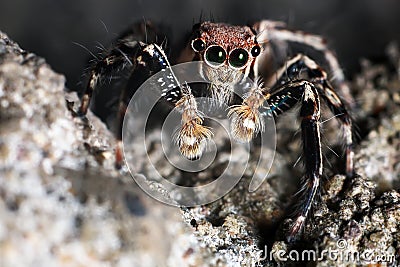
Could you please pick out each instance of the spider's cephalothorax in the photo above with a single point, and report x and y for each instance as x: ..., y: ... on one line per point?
x: 231, y: 54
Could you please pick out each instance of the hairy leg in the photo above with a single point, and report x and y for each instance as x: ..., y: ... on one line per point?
x: 270, y: 30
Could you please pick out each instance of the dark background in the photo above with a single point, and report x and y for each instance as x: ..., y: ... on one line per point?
x: 354, y: 29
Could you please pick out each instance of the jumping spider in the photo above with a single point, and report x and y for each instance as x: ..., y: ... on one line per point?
x: 231, y: 54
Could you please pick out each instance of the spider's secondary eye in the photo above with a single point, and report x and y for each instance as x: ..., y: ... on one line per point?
x: 256, y: 50
x: 198, y: 45
x: 238, y: 58
x: 215, y: 55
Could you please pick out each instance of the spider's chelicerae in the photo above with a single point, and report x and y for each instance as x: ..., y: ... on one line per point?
x: 231, y: 54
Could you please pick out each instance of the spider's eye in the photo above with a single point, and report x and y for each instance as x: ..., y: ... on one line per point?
x: 215, y: 55
x: 238, y: 58
x: 198, y: 45
x: 255, y: 51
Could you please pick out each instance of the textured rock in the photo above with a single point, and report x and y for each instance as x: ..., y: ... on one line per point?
x: 61, y: 201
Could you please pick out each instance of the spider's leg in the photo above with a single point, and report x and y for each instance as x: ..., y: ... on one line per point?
x: 318, y: 76
x: 150, y: 59
x: 310, y: 126
x: 192, y: 134
x: 279, y: 33
x: 283, y: 99
x: 337, y: 107
x: 124, y: 54
x: 120, y: 121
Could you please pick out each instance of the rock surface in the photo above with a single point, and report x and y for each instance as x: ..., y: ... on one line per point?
x: 61, y: 201
x: 63, y: 204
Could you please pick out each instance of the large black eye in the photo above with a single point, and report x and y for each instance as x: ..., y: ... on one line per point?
x: 238, y: 58
x: 198, y: 45
x: 215, y: 55
x: 255, y: 51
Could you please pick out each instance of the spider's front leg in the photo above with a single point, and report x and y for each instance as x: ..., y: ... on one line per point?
x: 145, y: 60
x: 283, y: 99
x: 192, y: 135
x: 288, y: 91
x: 286, y: 97
x: 302, y: 64
x: 310, y: 128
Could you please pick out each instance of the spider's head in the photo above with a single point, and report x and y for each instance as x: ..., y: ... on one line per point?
x: 228, y: 51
